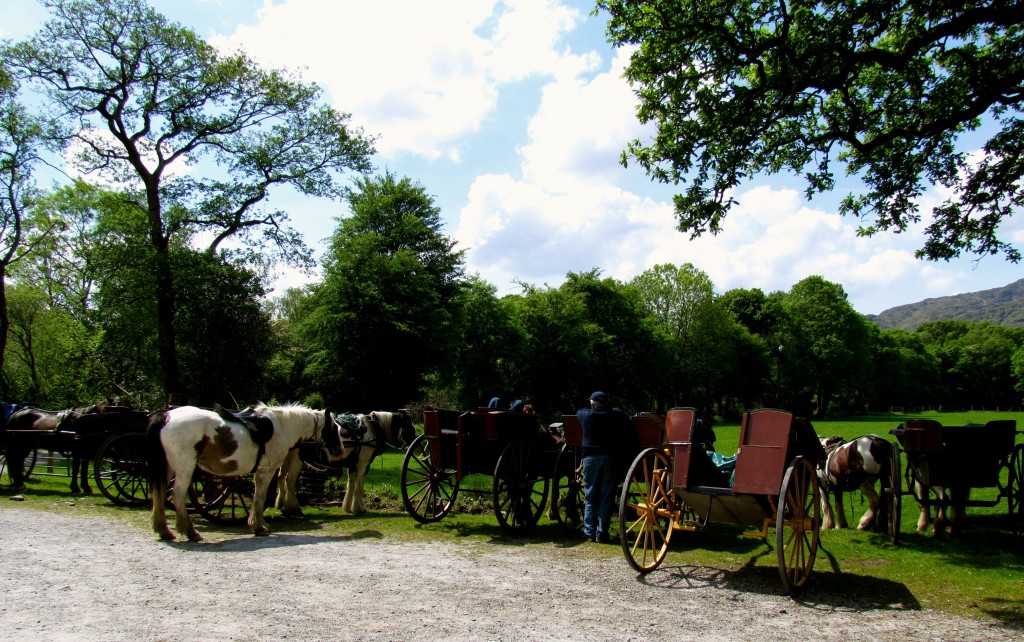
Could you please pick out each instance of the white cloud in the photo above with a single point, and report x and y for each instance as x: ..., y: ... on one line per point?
x: 422, y: 75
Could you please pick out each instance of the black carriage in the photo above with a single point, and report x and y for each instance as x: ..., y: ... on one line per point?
x: 113, y: 438
x: 514, y: 448
x: 678, y: 487
x: 945, y: 462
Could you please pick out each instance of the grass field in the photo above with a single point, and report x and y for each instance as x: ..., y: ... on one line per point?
x: 979, y: 573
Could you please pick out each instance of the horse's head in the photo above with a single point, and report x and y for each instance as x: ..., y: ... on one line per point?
x: 330, y: 438
x: 830, y: 443
x: 404, y: 430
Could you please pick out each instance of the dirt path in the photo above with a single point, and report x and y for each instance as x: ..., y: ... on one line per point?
x: 73, y: 577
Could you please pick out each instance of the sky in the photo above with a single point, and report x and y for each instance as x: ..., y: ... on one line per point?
x: 512, y: 115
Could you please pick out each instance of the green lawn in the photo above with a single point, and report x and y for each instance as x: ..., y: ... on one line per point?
x: 979, y: 573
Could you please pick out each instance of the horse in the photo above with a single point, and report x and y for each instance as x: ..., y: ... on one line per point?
x: 259, y: 440
x: 850, y: 465
x: 375, y: 432
x: 58, y: 430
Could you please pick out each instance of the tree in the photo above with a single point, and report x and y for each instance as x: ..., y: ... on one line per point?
x: 142, y: 97
x: 23, y: 139
x: 826, y: 351
x: 383, y: 317
x: 884, y: 89
x: 682, y: 302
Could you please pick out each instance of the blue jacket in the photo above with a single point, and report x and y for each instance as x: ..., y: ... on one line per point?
x: 604, y: 430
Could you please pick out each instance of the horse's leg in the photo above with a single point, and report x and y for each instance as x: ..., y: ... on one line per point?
x: 840, y: 511
x: 957, y: 509
x: 871, y: 514
x: 926, y: 513
x: 16, y: 455
x: 288, y: 479
x: 828, y: 518
x: 84, y: 457
x: 182, y: 520
x: 941, y: 520
x: 257, y: 525
x: 159, y: 510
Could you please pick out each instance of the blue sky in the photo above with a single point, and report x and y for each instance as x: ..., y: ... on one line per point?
x: 512, y: 115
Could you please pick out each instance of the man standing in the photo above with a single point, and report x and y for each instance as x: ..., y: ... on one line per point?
x: 604, y: 429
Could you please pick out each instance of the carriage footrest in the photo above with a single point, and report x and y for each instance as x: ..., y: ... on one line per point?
x: 710, y: 490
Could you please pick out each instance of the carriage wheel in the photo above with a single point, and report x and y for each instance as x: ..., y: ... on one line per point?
x: 797, y: 523
x: 519, y: 491
x: 1015, y: 490
x: 567, y: 492
x: 222, y: 500
x: 893, y: 496
x: 647, y: 510
x: 121, y: 471
x: 428, y: 491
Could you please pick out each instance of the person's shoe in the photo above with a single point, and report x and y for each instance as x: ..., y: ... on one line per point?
x: 603, y: 538
x: 590, y: 538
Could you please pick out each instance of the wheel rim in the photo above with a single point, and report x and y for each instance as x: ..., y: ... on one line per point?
x: 518, y: 491
x: 120, y: 469
x: 568, y: 489
x: 797, y: 524
x: 428, y: 492
x: 222, y: 500
x: 1015, y: 491
x: 646, y: 511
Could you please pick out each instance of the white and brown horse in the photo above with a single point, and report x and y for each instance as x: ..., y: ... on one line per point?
x: 852, y: 465
x: 260, y: 440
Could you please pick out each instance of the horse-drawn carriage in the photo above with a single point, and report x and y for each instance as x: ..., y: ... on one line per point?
x: 108, y: 434
x: 676, y: 486
x: 945, y: 462
x: 514, y: 448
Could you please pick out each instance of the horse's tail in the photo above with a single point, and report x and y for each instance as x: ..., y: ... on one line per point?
x: 156, y: 461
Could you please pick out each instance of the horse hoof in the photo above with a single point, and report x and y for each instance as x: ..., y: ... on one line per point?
x: 195, y: 537
x: 261, y: 532
x: 167, y: 536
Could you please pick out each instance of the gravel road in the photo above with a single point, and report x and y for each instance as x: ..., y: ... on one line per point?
x: 70, y: 576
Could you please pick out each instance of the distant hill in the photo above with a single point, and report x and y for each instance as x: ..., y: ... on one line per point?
x: 1000, y: 306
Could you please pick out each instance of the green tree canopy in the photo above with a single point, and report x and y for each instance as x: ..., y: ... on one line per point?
x: 383, y: 317
x: 143, y: 97
x: 884, y: 91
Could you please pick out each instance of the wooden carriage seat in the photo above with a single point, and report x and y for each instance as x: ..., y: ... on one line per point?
x: 648, y: 431
x: 761, y: 457
x: 572, y: 430
x: 692, y: 468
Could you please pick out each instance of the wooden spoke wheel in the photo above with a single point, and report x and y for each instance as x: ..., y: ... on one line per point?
x: 647, y: 510
x: 893, y: 496
x: 567, y: 490
x: 1015, y: 490
x: 798, y: 523
x: 121, y: 471
x: 428, y: 490
x: 519, y: 490
x: 222, y: 500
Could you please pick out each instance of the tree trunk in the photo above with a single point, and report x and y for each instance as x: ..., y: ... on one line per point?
x: 166, y: 341
x: 5, y: 325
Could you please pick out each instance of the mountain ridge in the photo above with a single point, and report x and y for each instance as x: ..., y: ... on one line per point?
x: 1000, y: 306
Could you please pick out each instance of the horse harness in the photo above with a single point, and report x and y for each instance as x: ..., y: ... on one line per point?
x: 379, y: 441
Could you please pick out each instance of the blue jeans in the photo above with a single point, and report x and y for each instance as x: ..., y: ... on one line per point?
x: 599, y: 490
